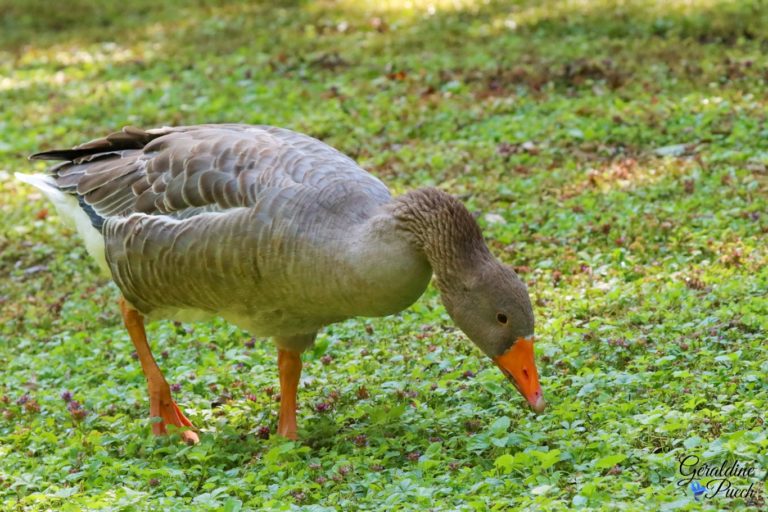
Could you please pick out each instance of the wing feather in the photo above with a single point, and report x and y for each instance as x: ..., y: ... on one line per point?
x: 186, y: 171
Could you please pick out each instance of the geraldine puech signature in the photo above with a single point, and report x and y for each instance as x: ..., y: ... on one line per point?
x: 725, y: 480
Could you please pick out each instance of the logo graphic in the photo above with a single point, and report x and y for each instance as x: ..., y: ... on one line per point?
x: 697, y: 489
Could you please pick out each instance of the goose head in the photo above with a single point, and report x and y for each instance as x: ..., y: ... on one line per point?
x: 485, y: 298
x: 491, y: 305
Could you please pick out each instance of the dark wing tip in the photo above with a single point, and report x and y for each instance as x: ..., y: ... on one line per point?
x: 55, y: 154
x: 129, y: 138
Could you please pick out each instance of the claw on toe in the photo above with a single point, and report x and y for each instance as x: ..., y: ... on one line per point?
x: 190, y: 437
x: 170, y: 414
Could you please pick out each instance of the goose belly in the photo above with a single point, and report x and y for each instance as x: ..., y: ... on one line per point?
x: 264, y: 321
x: 286, y: 277
x: 387, y: 290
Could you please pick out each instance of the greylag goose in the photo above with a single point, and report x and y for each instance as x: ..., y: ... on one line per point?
x: 281, y: 235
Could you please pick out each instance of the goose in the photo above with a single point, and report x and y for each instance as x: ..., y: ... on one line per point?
x: 281, y: 235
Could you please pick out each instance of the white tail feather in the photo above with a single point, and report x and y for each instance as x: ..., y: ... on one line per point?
x: 70, y: 211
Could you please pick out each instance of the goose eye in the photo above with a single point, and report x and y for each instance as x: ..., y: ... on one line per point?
x: 502, y: 318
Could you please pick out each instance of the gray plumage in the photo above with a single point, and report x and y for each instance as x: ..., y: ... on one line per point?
x: 266, y: 227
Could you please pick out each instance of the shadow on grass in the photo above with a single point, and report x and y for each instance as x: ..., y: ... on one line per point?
x: 499, y: 49
x: 226, y: 25
x: 36, y: 23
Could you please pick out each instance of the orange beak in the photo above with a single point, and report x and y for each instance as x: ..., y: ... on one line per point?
x: 518, y: 365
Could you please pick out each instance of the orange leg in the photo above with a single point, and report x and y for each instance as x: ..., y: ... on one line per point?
x: 161, y: 405
x: 289, y: 366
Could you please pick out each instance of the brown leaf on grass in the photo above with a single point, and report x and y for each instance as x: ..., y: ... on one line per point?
x: 732, y: 258
x: 398, y: 76
x: 694, y: 283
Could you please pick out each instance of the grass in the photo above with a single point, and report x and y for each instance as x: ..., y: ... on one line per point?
x: 615, y: 152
